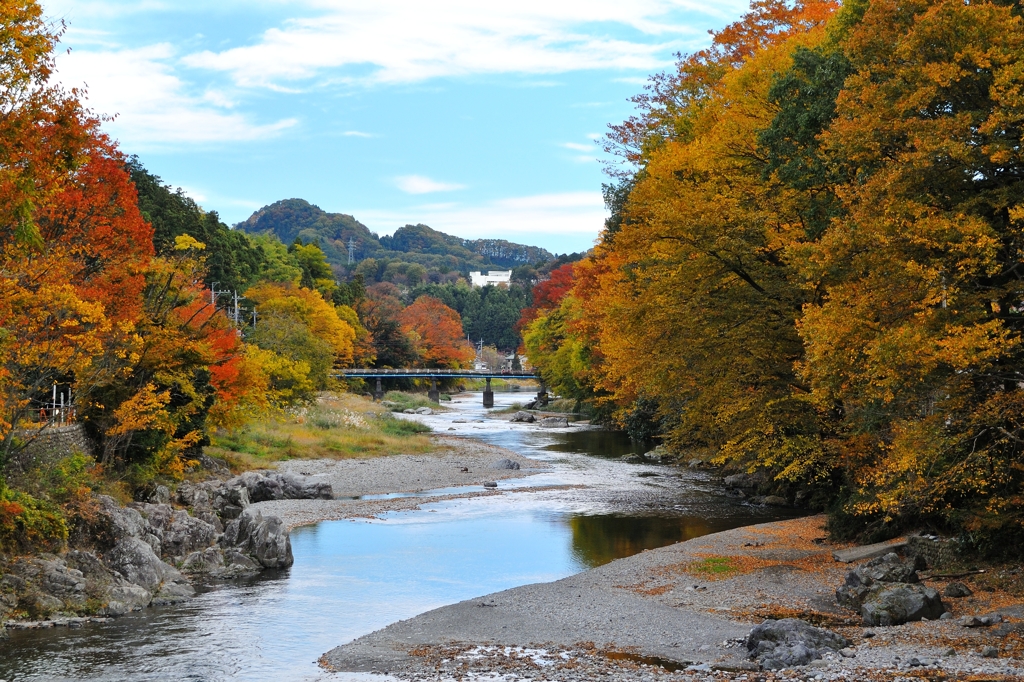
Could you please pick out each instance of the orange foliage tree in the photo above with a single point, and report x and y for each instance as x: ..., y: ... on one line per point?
x: 436, y: 333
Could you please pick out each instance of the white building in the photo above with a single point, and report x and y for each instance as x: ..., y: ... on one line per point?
x: 479, y: 279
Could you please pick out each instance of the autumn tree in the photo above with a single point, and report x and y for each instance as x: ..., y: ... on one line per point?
x: 436, y: 334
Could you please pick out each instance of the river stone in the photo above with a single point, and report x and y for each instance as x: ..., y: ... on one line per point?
x: 554, y: 422
x: 138, y: 563
x: 424, y: 410
x: 956, y: 590
x: 275, y: 485
x: 742, y: 480
x: 884, y: 569
x: 523, y: 417
x: 790, y: 642
x: 775, y: 501
x: 506, y: 464
x: 895, y: 604
x: 265, y: 539
x: 230, y: 500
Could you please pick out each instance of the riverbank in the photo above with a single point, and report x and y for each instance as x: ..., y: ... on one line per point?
x: 683, y: 612
x: 455, y: 467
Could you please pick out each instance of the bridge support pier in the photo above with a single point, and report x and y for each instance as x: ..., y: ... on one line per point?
x: 378, y: 394
x: 434, y: 394
x: 488, y: 394
x: 542, y: 395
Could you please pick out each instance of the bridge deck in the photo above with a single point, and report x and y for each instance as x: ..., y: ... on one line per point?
x: 429, y: 374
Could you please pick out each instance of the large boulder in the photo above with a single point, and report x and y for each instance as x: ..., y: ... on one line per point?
x: 790, y: 642
x: 554, y: 422
x: 275, y: 485
x: 523, y: 417
x: 137, y: 563
x: 888, y: 568
x: 216, y: 562
x: 898, y: 603
x: 264, y: 538
x: 744, y: 480
x: 229, y: 501
x: 120, y: 522
x: 506, y: 464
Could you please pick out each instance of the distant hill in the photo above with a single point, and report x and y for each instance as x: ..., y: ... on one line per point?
x: 296, y: 218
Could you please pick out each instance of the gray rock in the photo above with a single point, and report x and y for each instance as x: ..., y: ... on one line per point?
x: 989, y: 652
x: 161, y: 496
x: 775, y: 501
x: 265, y: 539
x: 523, y: 417
x: 895, y: 604
x: 136, y: 561
x: 409, y: 411
x: 695, y: 463
x: 424, y: 410
x: 274, y: 485
x: 554, y: 422
x: 491, y: 484
x: 179, y: 532
x: 506, y: 464
x: 123, y: 522
x: 884, y: 569
x: 956, y: 590
x: 743, y: 480
x: 129, y: 597
x: 790, y: 642
x: 230, y: 500
x: 979, y: 621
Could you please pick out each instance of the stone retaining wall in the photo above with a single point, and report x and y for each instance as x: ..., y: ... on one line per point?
x: 52, y: 445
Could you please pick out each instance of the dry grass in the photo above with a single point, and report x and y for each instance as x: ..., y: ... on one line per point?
x: 336, y: 426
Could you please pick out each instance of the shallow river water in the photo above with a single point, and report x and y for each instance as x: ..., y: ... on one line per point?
x: 353, y: 577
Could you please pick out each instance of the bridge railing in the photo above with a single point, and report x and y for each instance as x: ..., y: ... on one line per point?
x: 368, y: 372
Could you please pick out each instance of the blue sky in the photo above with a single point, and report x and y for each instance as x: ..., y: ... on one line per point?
x: 476, y: 118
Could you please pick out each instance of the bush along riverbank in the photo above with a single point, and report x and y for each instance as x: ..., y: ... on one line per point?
x: 151, y: 553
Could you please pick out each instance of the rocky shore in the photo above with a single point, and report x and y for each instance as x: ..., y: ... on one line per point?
x: 152, y: 553
x: 147, y: 554
x: 755, y: 603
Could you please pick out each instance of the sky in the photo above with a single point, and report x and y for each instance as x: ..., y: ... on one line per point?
x: 480, y: 118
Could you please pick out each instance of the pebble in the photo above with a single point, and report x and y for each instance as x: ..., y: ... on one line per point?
x: 989, y: 652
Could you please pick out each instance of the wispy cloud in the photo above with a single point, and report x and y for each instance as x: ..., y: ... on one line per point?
x: 419, y: 184
x: 407, y: 41
x: 153, y: 105
x: 357, y: 133
x: 564, y: 221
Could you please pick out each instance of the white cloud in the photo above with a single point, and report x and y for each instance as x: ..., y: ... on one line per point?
x: 577, y: 147
x: 407, y: 41
x: 153, y: 106
x: 357, y: 133
x: 419, y: 184
x: 561, y: 221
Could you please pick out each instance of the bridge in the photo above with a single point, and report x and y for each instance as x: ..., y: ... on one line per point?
x: 435, y: 374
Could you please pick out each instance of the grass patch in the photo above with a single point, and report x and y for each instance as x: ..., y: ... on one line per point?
x: 399, y: 400
x: 715, y: 567
x: 334, y: 427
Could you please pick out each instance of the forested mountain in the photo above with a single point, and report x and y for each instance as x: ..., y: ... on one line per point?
x: 442, y: 253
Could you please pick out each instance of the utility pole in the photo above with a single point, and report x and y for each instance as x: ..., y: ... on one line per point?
x: 214, y: 294
x: 235, y: 313
x: 254, y: 317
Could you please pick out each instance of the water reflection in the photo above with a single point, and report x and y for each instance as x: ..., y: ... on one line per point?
x: 352, y: 577
x: 596, y: 540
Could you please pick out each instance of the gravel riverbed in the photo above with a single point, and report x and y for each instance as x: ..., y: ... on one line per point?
x: 657, y: 615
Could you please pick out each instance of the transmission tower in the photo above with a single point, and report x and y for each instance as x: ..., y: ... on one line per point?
x: 351, y: 250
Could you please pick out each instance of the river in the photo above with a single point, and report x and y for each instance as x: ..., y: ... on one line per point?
x: 355, y: 576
